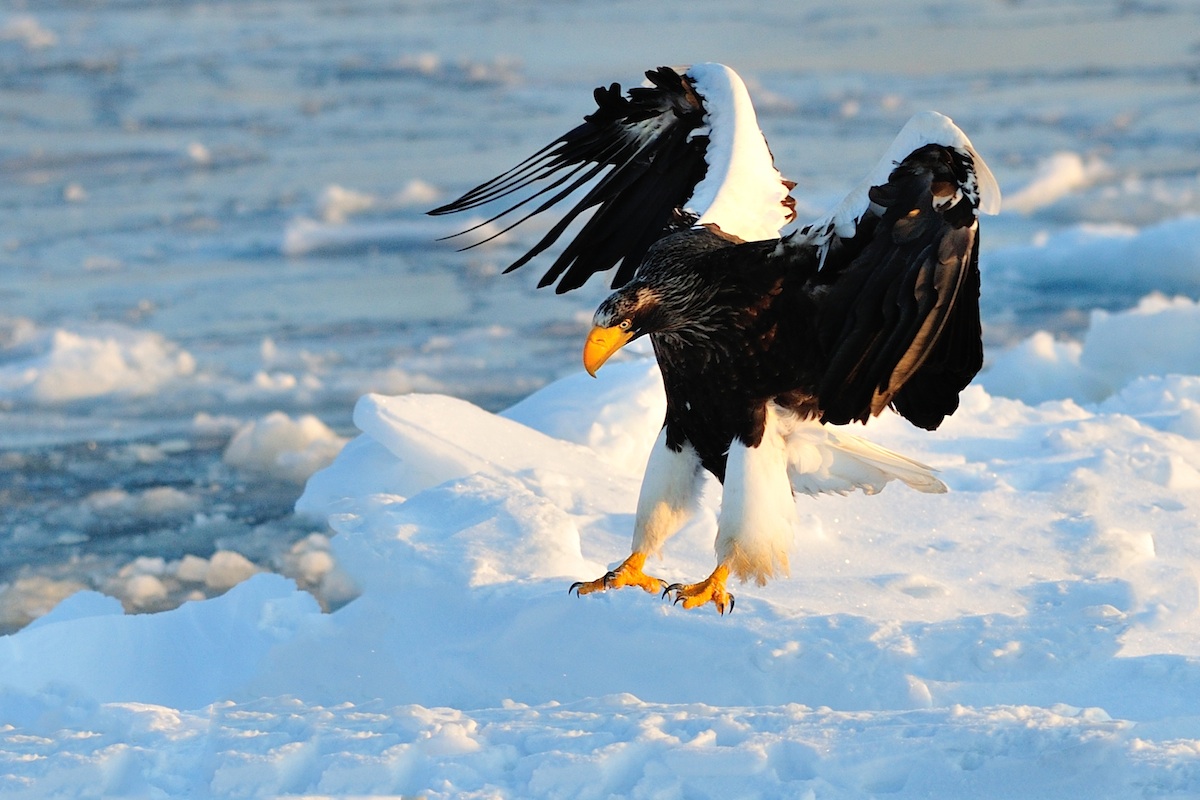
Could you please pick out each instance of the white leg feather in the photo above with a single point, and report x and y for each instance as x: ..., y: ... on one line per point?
x: 758, y: 514
x: 670, y: 489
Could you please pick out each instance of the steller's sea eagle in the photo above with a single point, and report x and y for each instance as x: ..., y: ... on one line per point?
x: 763, y: 339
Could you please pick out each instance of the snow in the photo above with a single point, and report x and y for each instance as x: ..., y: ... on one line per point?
x: 176, y: 273
x: 1156, y: 337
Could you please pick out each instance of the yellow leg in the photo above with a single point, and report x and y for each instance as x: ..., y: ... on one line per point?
x: 709, y: 590
x: 629, y: 573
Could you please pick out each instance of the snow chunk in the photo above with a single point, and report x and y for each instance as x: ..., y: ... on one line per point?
x: 199, y: 155
x: 74, y: 193
x: 338, y: 203
x: 227, y: 569
x: 289, y: 449
x: 144, y: 591
x: 1038, y: 369
x: 617, y: 414
x: 192, y: 569
x: 1056, y: 176
x: 416, y: 193
x: 90, y: 361
x: 1157, y: 337
x: 413, y: 442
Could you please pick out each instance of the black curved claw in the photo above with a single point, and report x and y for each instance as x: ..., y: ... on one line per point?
x: 607, y: 579
x: 731, y: 603
x: 674, y: 587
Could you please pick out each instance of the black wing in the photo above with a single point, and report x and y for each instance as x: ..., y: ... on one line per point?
x: 899, y: 322
x: 643, y: 145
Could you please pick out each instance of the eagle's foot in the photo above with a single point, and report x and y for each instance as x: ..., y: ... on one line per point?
x: 709, y: 590
x: 629, y: 573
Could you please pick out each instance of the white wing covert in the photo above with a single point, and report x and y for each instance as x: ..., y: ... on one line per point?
x: 924, y: 128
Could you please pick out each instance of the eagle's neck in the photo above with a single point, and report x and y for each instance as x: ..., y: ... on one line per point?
x: 696, y: 301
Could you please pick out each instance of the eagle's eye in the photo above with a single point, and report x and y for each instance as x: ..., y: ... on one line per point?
x: 625, y: 324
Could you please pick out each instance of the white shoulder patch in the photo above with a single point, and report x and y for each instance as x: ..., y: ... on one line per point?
x: 927, y: 127
x: 742, y: 193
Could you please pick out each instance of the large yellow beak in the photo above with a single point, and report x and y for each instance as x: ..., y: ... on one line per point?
x: 602, y: 343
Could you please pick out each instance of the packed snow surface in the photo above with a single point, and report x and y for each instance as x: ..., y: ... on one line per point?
x: 1033, y: 633
x: 218, y: 285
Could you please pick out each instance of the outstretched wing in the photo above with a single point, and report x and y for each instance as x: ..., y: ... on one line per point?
x: 684, y: 150
x: 899, y: 317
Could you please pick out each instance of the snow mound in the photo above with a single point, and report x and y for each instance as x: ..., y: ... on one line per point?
x: 1157, y: 337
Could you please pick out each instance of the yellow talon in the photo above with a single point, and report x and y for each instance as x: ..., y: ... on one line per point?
x: 709, y: 590
x: 629, y: 573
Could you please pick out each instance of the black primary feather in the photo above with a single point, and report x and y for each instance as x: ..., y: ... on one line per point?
x: 640, y: 151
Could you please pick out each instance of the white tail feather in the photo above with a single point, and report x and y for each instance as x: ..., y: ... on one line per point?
x: 758, y: 512
x: 821, y: 459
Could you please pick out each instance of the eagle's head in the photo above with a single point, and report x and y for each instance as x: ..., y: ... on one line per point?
x: 673, y: 292
x: 632, y: 311
x: 679, y: 307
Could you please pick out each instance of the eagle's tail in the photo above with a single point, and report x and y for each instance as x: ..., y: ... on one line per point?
x: 823, y: 459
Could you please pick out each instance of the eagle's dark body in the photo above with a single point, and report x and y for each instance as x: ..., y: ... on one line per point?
x: 746, y: 324
x: 746, y: 341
